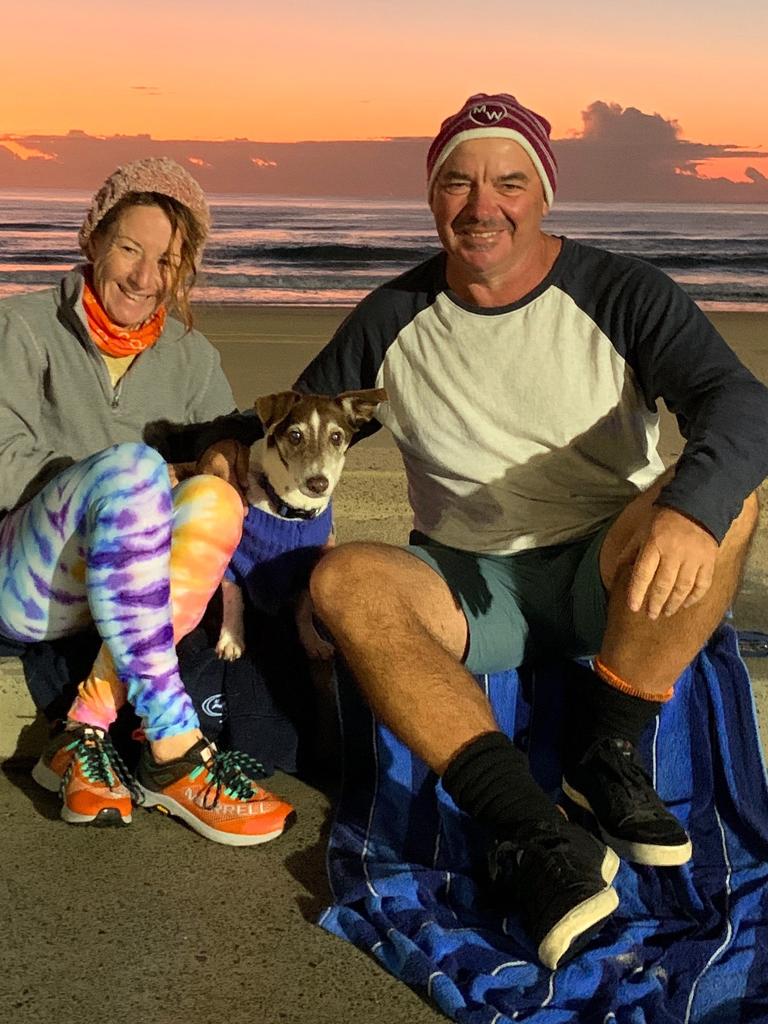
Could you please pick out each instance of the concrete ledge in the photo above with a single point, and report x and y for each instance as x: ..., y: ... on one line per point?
x: 22, y: 731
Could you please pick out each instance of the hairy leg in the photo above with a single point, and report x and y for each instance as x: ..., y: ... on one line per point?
x: 400, y: 630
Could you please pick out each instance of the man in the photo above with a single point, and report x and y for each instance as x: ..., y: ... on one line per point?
x: 522, y: 373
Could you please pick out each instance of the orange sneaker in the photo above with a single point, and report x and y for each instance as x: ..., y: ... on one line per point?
x: 215, y: 793
x: 52, y: 765
x: 82, y: 765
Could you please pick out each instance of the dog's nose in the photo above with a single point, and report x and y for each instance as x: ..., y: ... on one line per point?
x: 318, y: 484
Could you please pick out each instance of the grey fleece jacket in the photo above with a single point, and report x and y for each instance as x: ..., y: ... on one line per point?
x: 57, y: 404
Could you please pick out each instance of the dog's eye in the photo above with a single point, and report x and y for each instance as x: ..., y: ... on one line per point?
x: 337, y: 438
x: 294, y: 436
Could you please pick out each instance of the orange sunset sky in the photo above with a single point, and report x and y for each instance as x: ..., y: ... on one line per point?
x: 216, y: 70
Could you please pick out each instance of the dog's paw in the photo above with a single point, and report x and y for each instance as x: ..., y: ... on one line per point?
x: 229, y: 651
x: 229, y: 648
x: 318, y: 648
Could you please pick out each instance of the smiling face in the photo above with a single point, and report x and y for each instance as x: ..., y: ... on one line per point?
x: 488, y: 203
x: 132, y: 264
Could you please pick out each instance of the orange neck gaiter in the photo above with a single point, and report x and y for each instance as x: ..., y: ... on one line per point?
x: 118, y: 341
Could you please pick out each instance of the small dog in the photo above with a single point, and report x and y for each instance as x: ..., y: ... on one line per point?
x: 292, y: 472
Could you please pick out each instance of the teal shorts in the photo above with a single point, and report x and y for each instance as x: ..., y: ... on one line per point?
x: 540, y: 603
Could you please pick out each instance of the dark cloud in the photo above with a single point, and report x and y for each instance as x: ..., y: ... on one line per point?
x: 624, y: 153
x: 620, y: 154
x: 393, y: 167
x: 608, y: 120
x: 147, y: 90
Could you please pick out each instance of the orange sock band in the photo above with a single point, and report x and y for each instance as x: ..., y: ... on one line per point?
x: 621, y: 684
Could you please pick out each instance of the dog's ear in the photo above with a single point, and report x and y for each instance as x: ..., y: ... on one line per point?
x: 273, y: 408
x: 359, y: 406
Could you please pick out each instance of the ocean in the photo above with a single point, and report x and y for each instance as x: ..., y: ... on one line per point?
x: 274, y: 251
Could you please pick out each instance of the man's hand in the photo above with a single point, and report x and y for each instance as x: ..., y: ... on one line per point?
x: 673, y: 561
x: 228, y: 460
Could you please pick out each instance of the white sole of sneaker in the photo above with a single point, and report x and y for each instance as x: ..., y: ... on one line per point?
x: 610, y: 866
x: 579, y: 922
x: 649, y: 854
x: 170, y: 806
x: 108, y: 816
x: 46, y: 777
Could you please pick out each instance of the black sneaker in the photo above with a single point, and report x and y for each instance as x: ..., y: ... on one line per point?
x: 610, y: 783
x: 559, y: 877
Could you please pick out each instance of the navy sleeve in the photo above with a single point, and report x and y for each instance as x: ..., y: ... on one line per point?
x: 187, y: 442
x: 353, y: 357
x: 349, y: 362
x: 721, y: 408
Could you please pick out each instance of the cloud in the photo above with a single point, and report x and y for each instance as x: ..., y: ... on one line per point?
x: 624, y: 153
x: 147, y: 90
x: 627, y: 127
x: 24, y: 152
x: 621, y: 154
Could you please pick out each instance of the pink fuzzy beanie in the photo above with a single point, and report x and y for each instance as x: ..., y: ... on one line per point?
x: 155, y: 174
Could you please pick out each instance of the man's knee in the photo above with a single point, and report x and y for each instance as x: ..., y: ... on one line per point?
x: 345, y: 575
x: 750, y: 512
x: 362, y: 588
x: 743, y: 527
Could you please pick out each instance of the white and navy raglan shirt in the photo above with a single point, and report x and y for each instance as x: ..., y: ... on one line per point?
x: 533, y: 424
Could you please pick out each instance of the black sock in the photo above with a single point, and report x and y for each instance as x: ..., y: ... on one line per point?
x: 491, y: 781
x: 597, y: 710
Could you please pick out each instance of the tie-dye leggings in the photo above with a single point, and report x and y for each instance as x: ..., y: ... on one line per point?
x: 108, y: 543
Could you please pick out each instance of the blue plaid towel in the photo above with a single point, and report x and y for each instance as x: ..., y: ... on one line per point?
x: 687, y: 944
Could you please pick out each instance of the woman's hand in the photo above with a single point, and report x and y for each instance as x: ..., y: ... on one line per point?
x: 228, y: 460
x: 178, y: 471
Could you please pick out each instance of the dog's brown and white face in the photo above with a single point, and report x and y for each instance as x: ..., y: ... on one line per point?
x: 306, y: 441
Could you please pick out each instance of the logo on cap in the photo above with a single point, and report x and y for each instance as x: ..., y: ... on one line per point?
x: 488, y: 113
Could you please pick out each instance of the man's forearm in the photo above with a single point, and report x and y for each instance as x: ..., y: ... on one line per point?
x: 187, y: 442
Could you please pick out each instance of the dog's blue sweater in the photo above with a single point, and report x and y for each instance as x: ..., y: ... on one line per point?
x: 275, y: 556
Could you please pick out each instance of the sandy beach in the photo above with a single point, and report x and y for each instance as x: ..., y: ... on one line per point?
x: 280, y: 341
x: 251, y: 914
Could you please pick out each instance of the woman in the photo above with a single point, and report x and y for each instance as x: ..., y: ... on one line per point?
x: 92, y: 531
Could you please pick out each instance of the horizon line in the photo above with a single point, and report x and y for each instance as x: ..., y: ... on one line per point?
x: 79, y: 133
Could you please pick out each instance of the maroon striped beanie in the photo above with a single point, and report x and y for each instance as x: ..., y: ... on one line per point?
x: 499, y: 116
